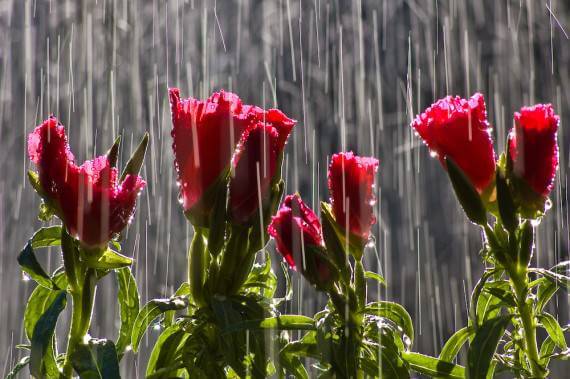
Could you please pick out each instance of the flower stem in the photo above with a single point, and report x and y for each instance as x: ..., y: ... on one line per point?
x: 196, y: 269
x: 529, y: 326
x: 83, y: 297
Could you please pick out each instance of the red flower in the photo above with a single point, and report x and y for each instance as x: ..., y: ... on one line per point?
x: 351, y: 180
x: 458, y: 128
x: 533, y: 147
x: 297, y: 230
x: 205, y: 135
x: 89, y: 200
x: 257, y: 154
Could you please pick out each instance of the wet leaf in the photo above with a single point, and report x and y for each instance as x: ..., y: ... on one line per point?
x: 134, y: 164
x: 433, y: 367
x: 150, y: 312
x: 43, y: 333
x: 455, y: 343
x: 128, y: 297
x: 30, y: 265
x: 109, y: 260
x: 482, y: 349
x: 96, y: 360
x: 394, y: 312
x: 466, y: 194
x: 554, y: 329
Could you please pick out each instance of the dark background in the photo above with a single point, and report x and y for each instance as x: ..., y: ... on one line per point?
x: 353, y: 73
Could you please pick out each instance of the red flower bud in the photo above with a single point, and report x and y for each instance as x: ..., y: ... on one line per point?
x: 88, y: 199
x: 533, y: 147
x: 204, y: 134
x: 351, y: 180
x: 458, y: 128
x: 298, y: 235
x: 257, y: 155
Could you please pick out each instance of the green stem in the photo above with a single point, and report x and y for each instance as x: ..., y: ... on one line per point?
x: 83, y: 297
x: 196, y: 266
x: 74, y: 334
x: 232, y: 259
x: 529, y: 326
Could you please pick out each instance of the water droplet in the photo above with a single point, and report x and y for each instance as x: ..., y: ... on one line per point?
x: 433, y: 154
x: 547, y: 205
x: 25, y: 277
x: 535, y: 222
x: 156, y: 327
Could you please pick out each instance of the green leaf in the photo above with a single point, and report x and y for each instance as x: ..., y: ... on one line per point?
x: 502, y: 292
x: 391, y: 365
x: 34, y: 179
x: 40, y: 299
x: 183, y: 290
x: 128, y: 297
x: 526, y: 243
x: 113, y: 153
x: 554, y: 329
x: 30, y: 265
x: 562, y: 280
x: 394, y: 312
x: 261, y: 279
x: 454, y: 344
x: 96, y: 360
x: 109, y: 260
x: 545, y: 292
x: 466, y: 194
x: 283, y: 322
x: 134, y: 164
x: 165, y: 350
x: 435, y: 368
x: 305, y: 347
x: 507, y: 208
x: 43, y: 333
x: 18, y: 367
x: 482, y: 349
x: 290, y: 355
x: 474, y: 305
x: 336, y: 240
x: 294, y: 366
x: 150, y: 312
x: 374, y: 276
x: 546, y: 351
x: 562, y: 268
x: 45, y: 237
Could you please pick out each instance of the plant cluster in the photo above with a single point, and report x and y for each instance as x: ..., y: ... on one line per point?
x: 225, y: 320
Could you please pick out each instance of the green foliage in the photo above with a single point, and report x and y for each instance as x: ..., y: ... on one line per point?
x: 128, y: 298
x: 466, y: 194
x: 41, y: 352
x: 150, y: 312
x: 96, y: 360
x: 483, y: 347
x: 435, y: 368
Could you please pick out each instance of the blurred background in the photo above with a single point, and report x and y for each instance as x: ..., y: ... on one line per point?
x: 352, y: 72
